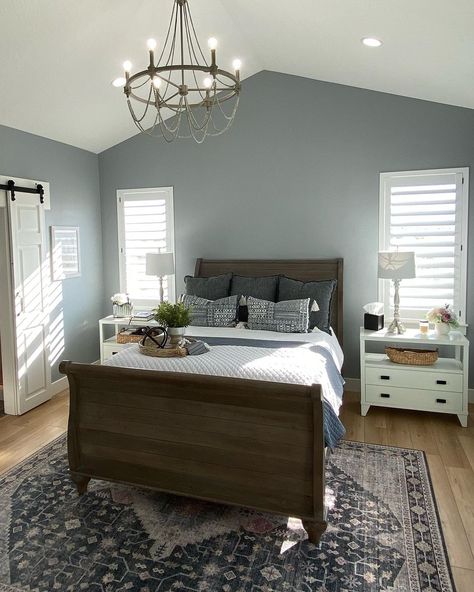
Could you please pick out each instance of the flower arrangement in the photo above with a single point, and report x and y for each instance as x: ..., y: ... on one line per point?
x: 121, y: 305
x: 443, y: 314
x: 120, y: 299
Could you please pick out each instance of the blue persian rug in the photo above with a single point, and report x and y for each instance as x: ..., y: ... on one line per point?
x: 383, y: 533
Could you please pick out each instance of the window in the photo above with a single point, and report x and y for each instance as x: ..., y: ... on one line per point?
x: 426, y: 212
x: 145, y: 225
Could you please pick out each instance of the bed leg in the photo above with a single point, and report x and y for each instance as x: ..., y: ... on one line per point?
x: 81, y: 482
x: 315, y: 530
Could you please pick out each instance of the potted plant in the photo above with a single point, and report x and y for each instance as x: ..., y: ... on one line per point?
x: 444, y: 319
x: 175, y: 317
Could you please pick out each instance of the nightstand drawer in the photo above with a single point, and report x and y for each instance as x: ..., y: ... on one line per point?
x: 414, y: 378
x: 110, y: 349
x: 408, y: 398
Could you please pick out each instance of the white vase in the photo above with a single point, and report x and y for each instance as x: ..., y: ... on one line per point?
x: 176, y: 335
x: 442, y: 329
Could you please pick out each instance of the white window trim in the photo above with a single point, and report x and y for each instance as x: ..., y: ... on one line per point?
x: 137, y: 193
x: 463, y: 187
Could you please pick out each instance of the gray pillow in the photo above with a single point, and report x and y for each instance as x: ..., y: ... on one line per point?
x: 211, y: 313
x: 211, y: 288
x: 264, y: 288
x: 322, y: 292
x: 291, y: 316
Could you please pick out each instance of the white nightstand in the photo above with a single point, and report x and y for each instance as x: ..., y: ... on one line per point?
x: 442, y: 388
x: 109, y: 346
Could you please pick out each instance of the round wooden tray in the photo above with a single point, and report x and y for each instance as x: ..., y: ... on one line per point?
x: 162, y: 352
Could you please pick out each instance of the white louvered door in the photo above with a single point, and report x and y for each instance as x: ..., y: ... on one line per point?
x: 426, y: 212
x: 146, y: 225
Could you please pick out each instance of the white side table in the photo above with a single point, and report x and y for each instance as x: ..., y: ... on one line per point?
x: 442, y: 388
x: 109, y: 346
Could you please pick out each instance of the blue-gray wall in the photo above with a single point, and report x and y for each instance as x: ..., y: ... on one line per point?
x: 73, y: 175
x: 297, y: 176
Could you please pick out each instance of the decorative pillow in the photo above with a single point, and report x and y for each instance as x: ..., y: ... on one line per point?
x: 290, y: 316
x: 264, y: 288
x: 212, y: 313
x: 321, y: 292
x: 210, y: 288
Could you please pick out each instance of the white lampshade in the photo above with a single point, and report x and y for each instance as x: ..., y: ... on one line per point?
x: 159, y: 264
x: 397, y: 265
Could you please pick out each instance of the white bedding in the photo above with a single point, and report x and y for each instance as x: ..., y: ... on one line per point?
x: 316, y: 336
x: 305, y: 364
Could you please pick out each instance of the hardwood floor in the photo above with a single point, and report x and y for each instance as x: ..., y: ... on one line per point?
x: 449, y: 449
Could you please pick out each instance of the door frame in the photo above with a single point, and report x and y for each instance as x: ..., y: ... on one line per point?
x: 7, y: 310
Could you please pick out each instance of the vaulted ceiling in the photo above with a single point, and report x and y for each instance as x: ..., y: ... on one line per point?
x: 58, y: 57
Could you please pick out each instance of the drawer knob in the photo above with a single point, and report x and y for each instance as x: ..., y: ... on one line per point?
x: 441, y: 400
x: 441, y: 382
x: 385, y: 395
x: 384, y: 377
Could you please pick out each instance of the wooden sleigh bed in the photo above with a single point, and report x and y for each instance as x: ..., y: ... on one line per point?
x: 228, y: 440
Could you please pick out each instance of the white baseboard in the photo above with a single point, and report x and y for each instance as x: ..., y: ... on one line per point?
x: 353, y: 385
x: 59, y: 385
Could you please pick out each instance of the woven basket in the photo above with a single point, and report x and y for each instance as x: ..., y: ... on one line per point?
x: 162, y: 352
x: 413, y: 357
x: 126, y: 336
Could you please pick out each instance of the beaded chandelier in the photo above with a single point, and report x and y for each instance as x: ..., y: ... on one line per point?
x: 181, y: 95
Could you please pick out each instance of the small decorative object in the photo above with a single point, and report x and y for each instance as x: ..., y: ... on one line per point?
x: 155, y: 343
x: 65, y: 252
x: 121, y: 305
x: 396, y: 266
x: 175, y: 317
x: 424, y: 327
x: 160, y: 265
x: 413, y: 357
x: 444, y: 319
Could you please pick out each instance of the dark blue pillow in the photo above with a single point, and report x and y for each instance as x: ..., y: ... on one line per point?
x: 210, y: 288
x: 263, y: 288
x: 322, y: 292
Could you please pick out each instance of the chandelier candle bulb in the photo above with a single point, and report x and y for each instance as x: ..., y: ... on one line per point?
x: 212, y: 43
x: 127, y: 66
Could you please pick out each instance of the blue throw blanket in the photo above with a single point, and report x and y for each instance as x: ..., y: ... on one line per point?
x: 333, y: 428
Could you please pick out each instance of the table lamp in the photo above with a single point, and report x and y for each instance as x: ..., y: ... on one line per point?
x: 160, y: 265
x: 396, y: 266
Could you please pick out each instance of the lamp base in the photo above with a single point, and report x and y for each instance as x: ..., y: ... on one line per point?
x: 396, y: 327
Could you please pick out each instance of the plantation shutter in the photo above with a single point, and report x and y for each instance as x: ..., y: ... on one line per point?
x: 145, y: 220
x: 426, y: 212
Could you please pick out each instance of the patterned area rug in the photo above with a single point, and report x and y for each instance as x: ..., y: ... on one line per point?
x: 383, y: 534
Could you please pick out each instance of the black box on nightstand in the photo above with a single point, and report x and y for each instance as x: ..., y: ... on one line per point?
x: 373, y: 322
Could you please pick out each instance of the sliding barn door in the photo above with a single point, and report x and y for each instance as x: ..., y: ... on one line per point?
x: 29, y: 277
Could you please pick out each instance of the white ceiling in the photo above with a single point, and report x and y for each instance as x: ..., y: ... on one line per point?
x: 58, y: 57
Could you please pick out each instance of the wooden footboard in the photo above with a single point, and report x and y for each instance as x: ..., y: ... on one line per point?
x: 234, y: 441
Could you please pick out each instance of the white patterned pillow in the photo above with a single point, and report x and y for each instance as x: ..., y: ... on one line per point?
x: 288, y: 316
x: 212, y: 313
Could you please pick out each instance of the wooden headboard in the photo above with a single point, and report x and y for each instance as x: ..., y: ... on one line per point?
x: 305, y: 270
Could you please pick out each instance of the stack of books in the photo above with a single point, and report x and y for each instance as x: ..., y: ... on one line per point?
x: 143, y: 315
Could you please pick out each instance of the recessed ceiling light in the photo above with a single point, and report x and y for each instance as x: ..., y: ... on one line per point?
x: 118, y: 82
x: 371, y: 42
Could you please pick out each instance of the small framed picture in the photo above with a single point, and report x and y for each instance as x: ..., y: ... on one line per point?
x: 65, y: 252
